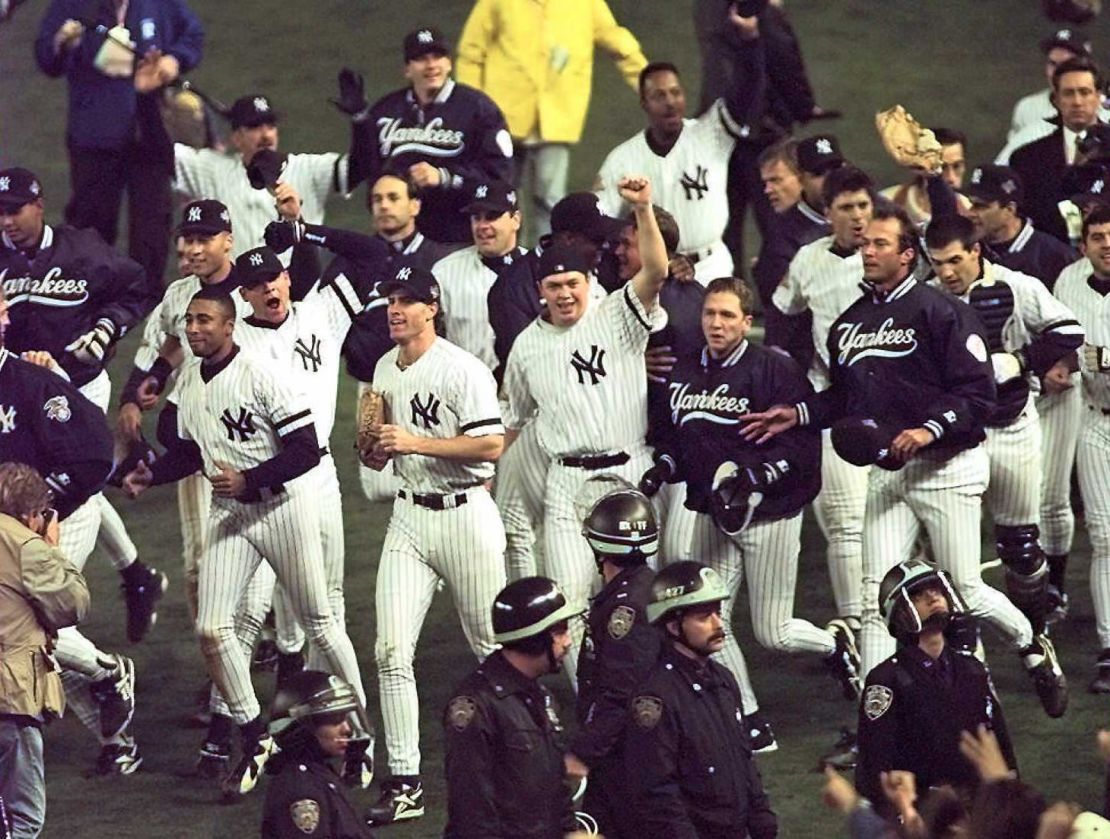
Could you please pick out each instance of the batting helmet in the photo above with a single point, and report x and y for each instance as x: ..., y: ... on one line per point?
x: 621, y: 527
x: 898, y: 587
x: 682, y: 585
x: 528, y: 607
x: 304, y: 699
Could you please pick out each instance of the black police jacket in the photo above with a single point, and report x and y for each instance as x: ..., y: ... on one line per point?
x: 306, y: 798
x: 619, y: 649
x: 503, y: 763
x: 913, y: 711
x: 687, y: 758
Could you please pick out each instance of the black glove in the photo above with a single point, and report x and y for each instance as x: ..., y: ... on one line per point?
x: 140, y: 450
x: 280, y: 236
x: 748, y: 479
x: 656, y: 476
x: 352, y: 94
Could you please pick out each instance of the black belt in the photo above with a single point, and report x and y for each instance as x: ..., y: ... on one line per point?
x: 595, y: 461
x: 265, y: 493
x: 434, y: 502
x: 1104, y: 411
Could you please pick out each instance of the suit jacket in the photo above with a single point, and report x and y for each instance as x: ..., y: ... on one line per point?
x: 1042, y: 166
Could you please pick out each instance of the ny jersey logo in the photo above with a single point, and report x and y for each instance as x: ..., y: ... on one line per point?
x: 695, y: 186
x: 594, y: 367
x: 238, y: 428
x: 426, y: 411
x: 7, y: 419
x: 309, y: 354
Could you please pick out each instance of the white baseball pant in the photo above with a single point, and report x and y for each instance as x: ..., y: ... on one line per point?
x: 839, y: 509
x: 1061, y: 416
x: 1093, y: 459
x: 678, y: 530
x: 1013, y: 495
x: 194, y: 501
x: 519, y: 490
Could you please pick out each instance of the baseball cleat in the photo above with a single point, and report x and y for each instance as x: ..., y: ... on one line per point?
x: 760, y: 734
x: 141, y: 599
x: 115, y: 696
x: 1101, y: 682
x: 1057, y: 605
x: 1042, y: 664
x: 117, y: 759
x: 244, y: 777
x: 398, y: 801
x: 843, y: 662
x: 213, y: 760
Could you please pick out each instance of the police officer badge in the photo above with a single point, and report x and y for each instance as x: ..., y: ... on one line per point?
x: 620, y: 622
x: 647, y: 710
x: 460, y: 712
x: 305, y: 814
x: 876, y: 701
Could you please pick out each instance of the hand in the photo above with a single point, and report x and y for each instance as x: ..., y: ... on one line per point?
x: 228, y: 483
x: 352, y: 93
x: 280, y: 236
x: 91, y: 347
x: 288, y: 201
x: 53, y: 532
x: 635, y: 190
x: 982, y: 750
x: 910, y: 442
x: 681, y: 269
x: 1006, y: 366
x: 395, y: 440
x: 654, y: 478
x: 1103, y: 741
x: 1056, y: 821
x: 837, y: 793
x: 129, y: 422
x: 1058, y: 377
x: 746, y: 27
x: 148, y: 392
x: 40, y: 358
x: 148, y: 74
x: 1096, y: 359
x: 574, y: 766
x: 424, y: 174
x: 137, y: 480
x: 69, y: 35
x: 762, y: 426
x: 900, y: 789
x: 659, y: 362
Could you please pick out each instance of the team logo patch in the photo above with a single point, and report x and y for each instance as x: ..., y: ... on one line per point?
x: 620, y: 622
x: 977, y: 348
x: 647, y: 711
x: 7, y: 419
x: 460, y: 713
x: 876, y: 701
x: 305, y: 814
x: 57, y: 409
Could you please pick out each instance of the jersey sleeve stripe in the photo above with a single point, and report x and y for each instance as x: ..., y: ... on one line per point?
x: 280, y: 424
x: 635, y: 309
x: 1055, y: 325
x: 470, y: 426
x: 345, y: 294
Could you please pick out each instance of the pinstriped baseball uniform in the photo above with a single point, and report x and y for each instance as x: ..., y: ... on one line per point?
x: 690, y: 182
x: 444, y: 527
x: 826, y: 283
x: 584, y: 388
x: 204, y: 173
x: 238, y: 417
x: 1082, y: 293
x: 175, y: 302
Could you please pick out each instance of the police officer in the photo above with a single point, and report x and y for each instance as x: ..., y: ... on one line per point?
x: 619, y: 648
x: 503, y: 763
x: 311, y: 721
x: 918, y: 701
x: 688, y: 765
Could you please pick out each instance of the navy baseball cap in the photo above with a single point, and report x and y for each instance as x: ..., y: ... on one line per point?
x: 252, y: 110
x: 492, y: 196
x: 819, y: 154
x: 579, y: 213
x: 1067, y: 39
x: 1087, y: 184
x: 559, y: 259
x: 258, y: 265
x: 426, y: 39
x: 266, y: 168
x: 19, y: 187
x: 995, y: 183
x: 865, y: 441
x: 414, y: 281
x: 206, y: 217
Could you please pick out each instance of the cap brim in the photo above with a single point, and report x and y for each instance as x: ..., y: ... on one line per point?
x: 606, y: 229
x: 388, y: 287
x: 475, y: 206
x: 10, y: 201
x: 258, y: 278
x: 828, y: 163
x: 1088, y: 199
x: 202, y: 229
x: 438, y: 49
x: 273, y: 118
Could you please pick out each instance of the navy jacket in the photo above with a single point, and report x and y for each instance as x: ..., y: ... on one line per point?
x: 1034, y: 253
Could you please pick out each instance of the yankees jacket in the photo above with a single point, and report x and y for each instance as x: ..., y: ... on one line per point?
x: 462, y: 132
x: 698, y: 426
x: 72, y: 282
x: 1034, y: 253
x: 915, y: 358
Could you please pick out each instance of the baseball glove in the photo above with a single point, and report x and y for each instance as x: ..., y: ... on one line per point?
x: 907, y: 141
x: 371, y: 416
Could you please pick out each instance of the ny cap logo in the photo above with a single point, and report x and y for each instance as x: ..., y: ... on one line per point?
x: 404, y: 274
x: 1063, y: 34
x: 1008, y: 186
x: 824, y: 146
x: 256, y: 259
x: 225, y: 215
x: 194, y: 214
x: 481, y: 192
x: 511, y: 197
x: 5, y: 184
x: 260, y: 104
x: 424, y: 36
x: 976, y: 176
x: 1097, y: 187
x: 35, y: 188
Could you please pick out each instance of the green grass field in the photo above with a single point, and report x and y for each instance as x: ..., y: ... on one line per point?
x: 960, y: 63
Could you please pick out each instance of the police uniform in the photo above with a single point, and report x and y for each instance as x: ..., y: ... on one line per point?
x: 503, y: 762
x: 688, y: 765
x: 306, y: 798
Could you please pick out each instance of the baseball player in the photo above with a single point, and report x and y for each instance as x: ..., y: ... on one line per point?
x: 254, y: 438
x: 443, y: 134
x: 443, y: 434
x: 578, y: 374
x: 1028, y: 332
x: 915, y: 359
x: 1083, y: 288
x: 687, y: 160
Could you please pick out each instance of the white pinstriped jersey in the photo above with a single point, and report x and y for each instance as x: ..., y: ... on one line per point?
x: 152, y: 339
x: 464, y: 283
x: 239, y: 415
x: 826, y: 284
x: 445, y: 393
x: 1092, y: 310
x: 175, y: 302
x: 306, y: 345
x: 690, y: 182
x: 585, y: 384
x: 204, y: 173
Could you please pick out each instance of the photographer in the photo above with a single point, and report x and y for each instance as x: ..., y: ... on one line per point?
x: 40, y: 592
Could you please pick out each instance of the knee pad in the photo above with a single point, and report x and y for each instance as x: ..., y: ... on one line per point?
x: 1019, y: 548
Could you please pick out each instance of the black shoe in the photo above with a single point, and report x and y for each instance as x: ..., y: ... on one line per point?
x: 117, y: 759
x: 115, y: 697
x: 141, y: 598
x: 288, y: 666
x: 1042, y: 664
x: 244, y: 777
x: 1056, y: 605
x: 213, y: 760
x: 760, y: 734
x: 1101, y: 682
x: 398, y: 801
x: 843, y: 662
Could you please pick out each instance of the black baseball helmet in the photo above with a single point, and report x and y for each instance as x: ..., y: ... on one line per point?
x: 682, y: 585
x: 621, y: 527
x: 306, y: 698
x: 898, y: 587
x: 529, y: 607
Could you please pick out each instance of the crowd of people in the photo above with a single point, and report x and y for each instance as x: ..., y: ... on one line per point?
x: 561, y: 397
